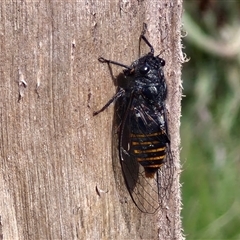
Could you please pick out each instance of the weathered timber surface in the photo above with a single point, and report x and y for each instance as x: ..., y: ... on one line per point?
x: 56, y: 159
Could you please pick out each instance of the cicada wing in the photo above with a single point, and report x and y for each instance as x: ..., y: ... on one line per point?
x: 147, y: 193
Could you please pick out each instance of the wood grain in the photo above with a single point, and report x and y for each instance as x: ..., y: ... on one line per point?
x: 57, y: 169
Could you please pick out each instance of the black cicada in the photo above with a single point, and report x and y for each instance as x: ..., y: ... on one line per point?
x: 144, y: 144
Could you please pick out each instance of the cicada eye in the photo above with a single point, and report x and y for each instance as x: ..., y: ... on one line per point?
x: 143, y: 69
x: 162, y: 62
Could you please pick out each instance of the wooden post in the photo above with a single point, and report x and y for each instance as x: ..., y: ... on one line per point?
x: 56, y: 170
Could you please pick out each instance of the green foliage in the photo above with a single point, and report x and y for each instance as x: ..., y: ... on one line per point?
x: 210, y: 128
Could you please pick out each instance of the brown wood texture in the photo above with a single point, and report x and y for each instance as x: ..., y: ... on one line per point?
x: 56, y: 162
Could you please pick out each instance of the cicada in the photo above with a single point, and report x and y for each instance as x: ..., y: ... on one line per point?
x: 144, y: 142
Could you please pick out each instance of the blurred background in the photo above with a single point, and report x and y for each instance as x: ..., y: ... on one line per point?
x: 210, y: 129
